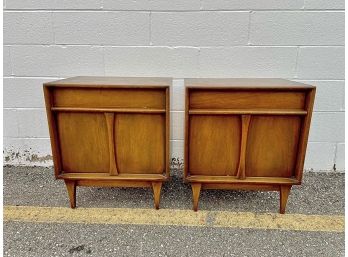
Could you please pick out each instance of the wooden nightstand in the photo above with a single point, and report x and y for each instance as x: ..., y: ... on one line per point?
x: 246, y: 134
x: 109, y: 132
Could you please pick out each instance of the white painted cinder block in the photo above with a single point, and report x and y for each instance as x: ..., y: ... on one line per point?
x: 297, y: 28
x: 327, y: 127
x: 177, y: 95
x: 28, y: 28
x: 7, y: 63
x: 27, y: 151
x: 177, y: 120
x: 50, y: 39
x: 24, y: 92
x: 111, y: 28
x: 53, y: 4
x: 340, y: 157
x: 10, y: 123
x: 199, y: 28
x: 57, y: 61
x: 320, y: 156
x: 324, y: 4
x: 177, y: 149
x: 251, y: 4
x: 320, y: 63
x: 158, y: 5
x: 23, y: 123
x: 248, y: 62
x: 151, y: 61
x: 329, y: 94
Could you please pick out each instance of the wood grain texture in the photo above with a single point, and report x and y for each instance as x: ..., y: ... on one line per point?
x: 84, y: 142
x: 109, y: 98
x: 156, y: 188
x: 243, y: 145
x: 111, y: 82
x: 304, y: 134
x: 115, y: 110
x: 245, y: 83
x: 284, y: 194
x: 246, y: 111
x: 272, y: 146
x: 71, y: 187
x: 112, y: 183
x: 214, y: 145
x: 227, y: 99
x: 247, y: 180
x: 52, y: 127
x: 106, y: 176
x: 269, y: 134
x: 248, y: 187
x: 196, y: 190
x: 108, y: 131
x: 110, y: 123
x: 167, y: 134
x: 187, y: 134
x: 140, y: 143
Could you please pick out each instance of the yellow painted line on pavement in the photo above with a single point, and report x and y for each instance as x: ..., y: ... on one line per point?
x: 300, y: 222
x: 175, y: 217
x: 104, y: 215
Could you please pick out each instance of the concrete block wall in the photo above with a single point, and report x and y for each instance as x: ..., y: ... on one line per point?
x: 301, y: 40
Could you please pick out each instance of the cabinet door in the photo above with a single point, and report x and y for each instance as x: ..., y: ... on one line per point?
x: 214, y: 144
x: 83, y: 141
x: 140, y: 143
x: 272, y: 146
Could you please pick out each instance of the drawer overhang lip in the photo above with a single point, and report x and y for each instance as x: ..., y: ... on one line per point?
x: 107, y: 176
x: 248, y: 180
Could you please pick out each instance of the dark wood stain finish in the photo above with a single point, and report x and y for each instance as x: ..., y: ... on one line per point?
x: 109, y: 132
x: 246, y: 134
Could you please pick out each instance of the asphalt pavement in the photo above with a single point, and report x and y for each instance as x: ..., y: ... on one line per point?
x: 321, y: 194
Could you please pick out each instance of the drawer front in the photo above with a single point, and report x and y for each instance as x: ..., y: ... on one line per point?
x: 109, y: 98
x: 247, y: 99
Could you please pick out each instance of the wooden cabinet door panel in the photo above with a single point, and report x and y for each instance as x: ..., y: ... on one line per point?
x: 272, y: 146
x: 83, y: 141
x: 214, y: 144
x: 140, y: 143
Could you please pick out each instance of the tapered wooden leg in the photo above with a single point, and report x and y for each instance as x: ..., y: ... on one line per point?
x: 156, y: 187
x: 71, y: 187
x: 196, y: 189
x: 284, y: 194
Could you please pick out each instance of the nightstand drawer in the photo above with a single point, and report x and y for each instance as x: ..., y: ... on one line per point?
x: 246, y: 99
x: 109, y: 98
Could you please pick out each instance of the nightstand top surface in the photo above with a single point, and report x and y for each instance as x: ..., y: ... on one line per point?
x: 111, y: 81
x: 246, y: 83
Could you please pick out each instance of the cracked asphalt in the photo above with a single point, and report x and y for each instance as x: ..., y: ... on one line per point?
x: 320, y: 194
